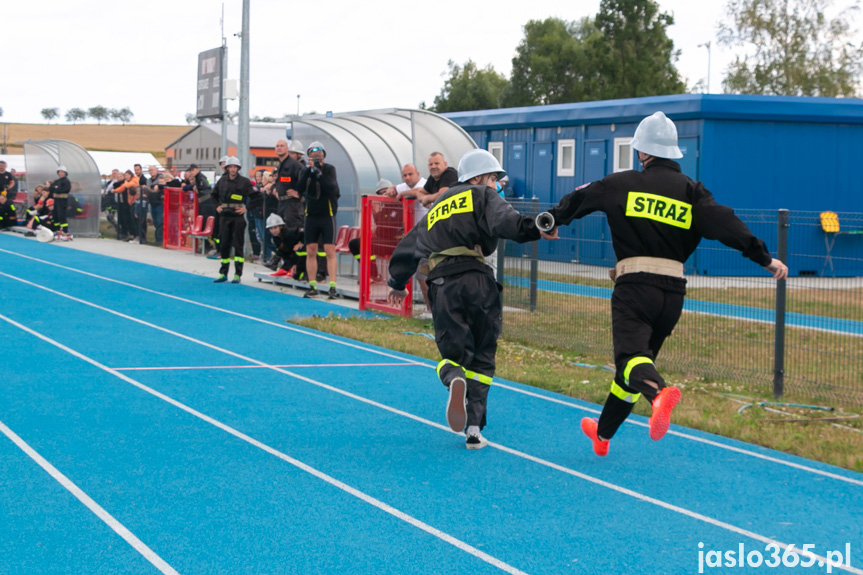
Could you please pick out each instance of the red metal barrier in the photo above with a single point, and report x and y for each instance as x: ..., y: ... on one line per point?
x: 383, y: 223
x: 180, y: 211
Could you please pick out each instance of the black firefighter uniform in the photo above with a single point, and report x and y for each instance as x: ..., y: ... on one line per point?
x: 461, y: 229
x: 657, y: 218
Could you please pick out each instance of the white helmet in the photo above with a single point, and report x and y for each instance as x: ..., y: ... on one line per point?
x: 476, y: 163
x: 656, y: 136
x: 224, y: 159
x: 316, y: 145
x: 297, y: 147
x: 274, y: 220
x: 233, y: 161
x: 62, y: 168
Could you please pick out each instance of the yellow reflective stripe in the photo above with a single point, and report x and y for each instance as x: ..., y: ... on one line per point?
x: 322, y: 254
x: 444, y: 362
x: 240, y: 260
x: 236, y: 197
x: 660, y: 209
x: 461, y: 203
x: 478, y: 377
x: 226, y: 260
x: 621, y: 393
x: 301, y: 253
x: 632, y: 363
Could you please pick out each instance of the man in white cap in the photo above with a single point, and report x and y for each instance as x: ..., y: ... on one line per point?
x: 657, y: 217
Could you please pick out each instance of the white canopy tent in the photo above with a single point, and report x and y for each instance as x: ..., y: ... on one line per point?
x: 367, y: 146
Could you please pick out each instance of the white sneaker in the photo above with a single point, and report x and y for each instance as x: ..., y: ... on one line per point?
x: 474, y: 440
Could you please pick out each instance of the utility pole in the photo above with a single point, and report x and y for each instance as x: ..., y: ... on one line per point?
x: 298, y: 104
x: 707, y: 45
x: 224, y: 149
x: 243, y: 120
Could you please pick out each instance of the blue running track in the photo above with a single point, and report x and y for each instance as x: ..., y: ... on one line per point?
x: 153, y: 422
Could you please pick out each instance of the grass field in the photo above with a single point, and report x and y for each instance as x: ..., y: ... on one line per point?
x: 111, y: 138
x: 707, y: 405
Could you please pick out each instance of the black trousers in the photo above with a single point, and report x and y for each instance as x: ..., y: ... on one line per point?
x: 467, y: 314
x: 643, y: 314
x: 232, y: 231
x: 60, y: 206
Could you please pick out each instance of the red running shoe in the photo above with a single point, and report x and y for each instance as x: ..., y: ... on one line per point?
x: 279, y: 273
x: 662, y: 406
x: 588, y: 426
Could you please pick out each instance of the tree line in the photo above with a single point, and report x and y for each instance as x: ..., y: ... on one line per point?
x: 785, y: 47
x: 98, y: 113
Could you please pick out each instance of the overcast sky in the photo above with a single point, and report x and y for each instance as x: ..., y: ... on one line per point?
x: 339, y: 55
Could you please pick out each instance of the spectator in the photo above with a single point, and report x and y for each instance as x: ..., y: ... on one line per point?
x: 8, y: 216
x: 8, y: 182
x: 231, y: 194
x: 290, y: 248
x: 141, y: 207
x: 156, y: 199
x: 440, y: 179
x: 297, y: 152
x: 42, y: 212
x: 319, y: 189
x: 412, y: 187
x: 109, y: 204
x: 126, y: 192
x: 287, y: 177
x: 255, y: 217
x: 59, y: 190
x: 387, y: 230
x: 271, y: 206
x: 196, y: 182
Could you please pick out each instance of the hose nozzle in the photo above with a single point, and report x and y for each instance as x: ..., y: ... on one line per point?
x: 545, y: 222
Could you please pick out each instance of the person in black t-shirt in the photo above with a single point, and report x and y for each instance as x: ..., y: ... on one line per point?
x: 440, y: 179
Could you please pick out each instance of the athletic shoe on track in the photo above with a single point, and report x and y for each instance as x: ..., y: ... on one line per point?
x: 333, y: 294
x: 660, y: 420
x: 236, y: 279
x: 220, y: 279
x: 474, y: 439
x: 311, y: 293
x: 588, y: 426
x: 279, y: 273
x: 456, y: 412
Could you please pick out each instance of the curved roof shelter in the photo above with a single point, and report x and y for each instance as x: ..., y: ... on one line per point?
x: 42, y: 157
x: 367, y: 146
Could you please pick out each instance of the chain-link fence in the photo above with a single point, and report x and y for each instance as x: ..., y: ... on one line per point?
x: 805, y: 336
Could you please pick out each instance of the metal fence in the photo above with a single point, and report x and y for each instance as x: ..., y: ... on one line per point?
x: 803, y: 336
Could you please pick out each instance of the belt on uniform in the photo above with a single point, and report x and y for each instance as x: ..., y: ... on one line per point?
x: 660, y: 266
x: 61, y: 196
x: 232, y: 206
x: 286, y: 198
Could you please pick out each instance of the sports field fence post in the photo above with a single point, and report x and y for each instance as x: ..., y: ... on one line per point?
x: 779, y: 325
x: 534, y: 258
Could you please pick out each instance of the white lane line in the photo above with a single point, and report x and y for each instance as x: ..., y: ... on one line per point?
x: 461, y: 545
x: 424, y: 363
x: 97, y: 509
x: 207, y: 367
x: 589, y: 478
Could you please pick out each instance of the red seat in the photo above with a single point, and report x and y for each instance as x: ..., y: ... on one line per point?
x: 353, y: 234
x: 342, y: 239
x: 199, y: 221
x: 85, y: 211
x: 198, y: 234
